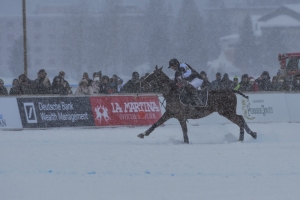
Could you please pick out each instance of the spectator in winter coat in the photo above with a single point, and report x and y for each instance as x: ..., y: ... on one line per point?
x: 118, y: 81
x: 26, y: 85
x: 42, y: 84
x: 84, y: 88
x: 15, y: 89
x: 65, y: 84
x: 86, y: 77
x: 264, y: 82
x: 244, y: 84
x: 206, y: 85
x: 296, y: 83
x: 3, y: 90
x: 58, y: 87
x: 253, y: 85
x: 106, y: 87
x: 120, y: 85
x: 227, y: 83
x: 100, y: 75
x: 236, y: 85
x: 96, y: 84
x: 217, y: 84
x: 133, y: 85
x: 114, y: 83
x: 279, y: 85
x: 288, y: 80
x: 276, y: 85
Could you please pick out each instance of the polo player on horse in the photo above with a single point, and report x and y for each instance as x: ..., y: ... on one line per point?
x: 187, y: 77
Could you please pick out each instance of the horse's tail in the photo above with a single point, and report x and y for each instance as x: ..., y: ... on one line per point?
x: 240, y: 93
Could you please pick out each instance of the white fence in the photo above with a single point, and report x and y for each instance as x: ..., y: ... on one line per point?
x: 9, y: 113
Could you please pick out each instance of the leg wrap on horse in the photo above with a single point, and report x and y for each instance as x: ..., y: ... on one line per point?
x: 241, y: 135
x: 192, y: 93
x: 246, y: 127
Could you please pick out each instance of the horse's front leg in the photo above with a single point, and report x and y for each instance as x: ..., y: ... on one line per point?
x: 163, y: 119
x: 184, y: 130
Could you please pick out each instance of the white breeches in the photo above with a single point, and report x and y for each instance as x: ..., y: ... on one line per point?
x: 196, y: 82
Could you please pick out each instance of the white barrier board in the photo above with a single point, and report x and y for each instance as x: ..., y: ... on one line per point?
x: 293, y: 103
x: 264, y: 107
x: 9, y: 114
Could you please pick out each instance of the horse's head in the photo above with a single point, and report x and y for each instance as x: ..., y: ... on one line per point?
x: 155, y: 81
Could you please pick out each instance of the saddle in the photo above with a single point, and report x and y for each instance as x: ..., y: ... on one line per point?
x: 197, y: 99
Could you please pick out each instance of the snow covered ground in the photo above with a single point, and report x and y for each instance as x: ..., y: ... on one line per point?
x: 112, y: 163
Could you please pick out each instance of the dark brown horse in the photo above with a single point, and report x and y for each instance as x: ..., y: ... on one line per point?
x: 224, y: 102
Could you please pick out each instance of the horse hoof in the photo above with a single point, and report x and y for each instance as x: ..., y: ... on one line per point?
x: 186, y: 141
x: 253, y: 134
x: 141, y: 135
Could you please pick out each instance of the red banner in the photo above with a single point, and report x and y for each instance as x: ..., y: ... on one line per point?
x: 125, y: 110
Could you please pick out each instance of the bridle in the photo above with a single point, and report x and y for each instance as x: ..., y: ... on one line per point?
x: 156, y: 93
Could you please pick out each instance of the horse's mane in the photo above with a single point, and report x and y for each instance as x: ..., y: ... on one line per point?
x: 160, y: 79
x: 173, y: 88
x: 161, y: 72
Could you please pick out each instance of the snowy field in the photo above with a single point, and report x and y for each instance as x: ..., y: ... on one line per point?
x: 112, y: 163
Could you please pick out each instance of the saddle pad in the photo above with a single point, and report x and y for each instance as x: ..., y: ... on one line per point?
x: 201, y: 95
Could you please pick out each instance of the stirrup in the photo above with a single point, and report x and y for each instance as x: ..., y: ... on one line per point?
x: 197, y: 101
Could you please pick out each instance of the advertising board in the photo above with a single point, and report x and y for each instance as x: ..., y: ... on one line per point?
x: 271, y: 107
x: 42, y: 112
x: 125, y: 110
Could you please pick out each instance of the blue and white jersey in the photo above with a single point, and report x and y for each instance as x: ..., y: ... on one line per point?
x: 184, y: 70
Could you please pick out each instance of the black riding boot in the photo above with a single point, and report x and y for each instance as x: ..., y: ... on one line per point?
x: 192, y: 92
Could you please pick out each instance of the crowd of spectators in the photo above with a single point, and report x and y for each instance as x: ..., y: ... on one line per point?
x: 250, y: 84
x: 103, y: 84
x: 98, y: 84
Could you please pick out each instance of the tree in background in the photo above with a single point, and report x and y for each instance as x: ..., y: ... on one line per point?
x: 213, y: 37
x: 111, y: 36
x: 74, y: 41
x: 156, y: 29
x: 247, y: 51
x: 216, y: 26
x: 224, y: 20
x: 93, y: 41
x: 189, y: 36
x: 272, y: 44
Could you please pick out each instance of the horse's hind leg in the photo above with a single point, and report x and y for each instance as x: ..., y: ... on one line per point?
x: 239, y: 120
x: 241, y: 138
x: 246, y: 127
